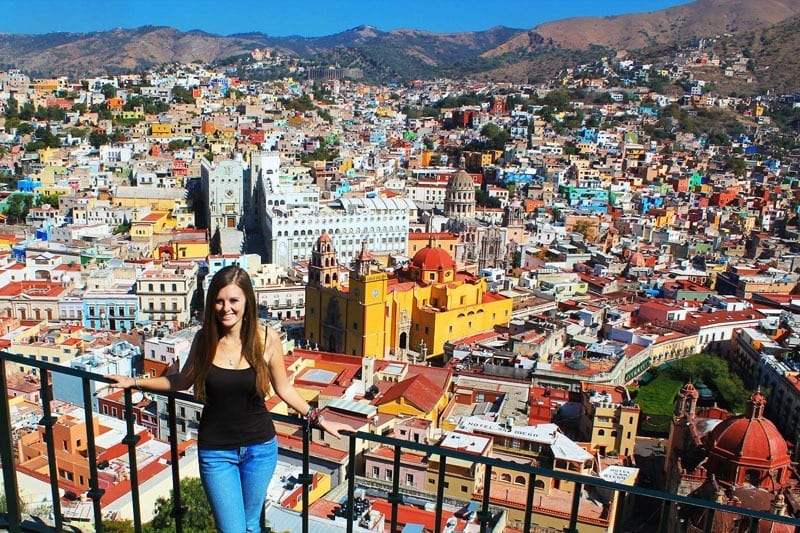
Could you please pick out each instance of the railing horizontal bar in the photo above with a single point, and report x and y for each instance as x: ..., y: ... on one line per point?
x: 576, y: 478
x: 533, y: 471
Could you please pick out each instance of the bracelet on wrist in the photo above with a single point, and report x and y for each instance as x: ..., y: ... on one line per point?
x: 312, y: 417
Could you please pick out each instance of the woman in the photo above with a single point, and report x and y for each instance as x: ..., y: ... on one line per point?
x: 232, y: 363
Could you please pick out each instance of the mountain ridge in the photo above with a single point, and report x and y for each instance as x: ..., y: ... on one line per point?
x: 499, y: 53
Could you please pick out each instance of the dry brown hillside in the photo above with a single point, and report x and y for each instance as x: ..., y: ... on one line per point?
x: 629, y: 32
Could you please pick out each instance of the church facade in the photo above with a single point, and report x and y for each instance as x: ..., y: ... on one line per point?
x: 412, y: 311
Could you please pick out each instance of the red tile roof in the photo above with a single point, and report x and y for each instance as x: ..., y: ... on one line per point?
x: 418, y: 391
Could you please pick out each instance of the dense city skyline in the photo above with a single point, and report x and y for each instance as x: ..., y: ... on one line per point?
x: 310, y: 19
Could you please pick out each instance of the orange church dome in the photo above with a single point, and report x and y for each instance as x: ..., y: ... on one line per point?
x: 432, y: 258
x: 637, y: 260
x: 749, y: 439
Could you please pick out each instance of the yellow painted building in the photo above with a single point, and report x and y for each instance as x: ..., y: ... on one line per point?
x: 144, y: 229
x: 161, y: 131
x: 417, y: 309
x: 609, y: 423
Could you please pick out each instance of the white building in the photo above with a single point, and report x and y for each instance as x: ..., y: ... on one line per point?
x: 223, y: 190
x: 382, y: 223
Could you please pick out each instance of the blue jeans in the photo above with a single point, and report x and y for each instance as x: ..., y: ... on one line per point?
x: 236, y: 484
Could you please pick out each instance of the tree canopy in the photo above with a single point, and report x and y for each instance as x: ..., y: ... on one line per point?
x: 198, y: 516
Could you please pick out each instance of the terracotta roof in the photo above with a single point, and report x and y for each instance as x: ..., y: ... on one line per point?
x: 418, y: 391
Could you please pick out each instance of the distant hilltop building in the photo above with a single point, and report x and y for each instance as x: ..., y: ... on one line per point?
x: 260, y: 55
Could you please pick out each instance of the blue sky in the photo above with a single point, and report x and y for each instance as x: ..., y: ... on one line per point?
x: 309, y: 18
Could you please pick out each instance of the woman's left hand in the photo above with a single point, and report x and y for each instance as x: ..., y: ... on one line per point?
x: 337, y: 429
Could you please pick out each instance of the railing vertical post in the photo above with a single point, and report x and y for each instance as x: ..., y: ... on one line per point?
x: 529, y: 502
x: 48, y: 421
x: 395, y: 498
x: 709, y: 522
x: 663, y: 523
x: 485, y: 515
x: 94, y: 492
x: 131, y: 439
x: 351, y: 483
x: 576, y: 504
x: 440, y: 493
x: 754, y: 525
x: 178, y: 509
x: 305, y: 477
x: 7, y: 457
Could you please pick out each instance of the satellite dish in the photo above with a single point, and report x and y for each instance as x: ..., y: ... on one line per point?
x: 137, y: 396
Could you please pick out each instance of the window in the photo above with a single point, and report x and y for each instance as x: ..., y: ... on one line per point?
x: 376, y: 472
x: 409, y: 479
x: 464, y: 489
x: 388, y: 476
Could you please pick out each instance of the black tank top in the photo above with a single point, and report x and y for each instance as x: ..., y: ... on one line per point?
x: 233, y: 415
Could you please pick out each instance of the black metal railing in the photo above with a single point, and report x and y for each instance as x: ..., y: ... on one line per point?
x: 14, y: 520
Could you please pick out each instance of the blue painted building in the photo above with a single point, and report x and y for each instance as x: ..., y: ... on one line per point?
x: 28, y: 185
x: 115, y: 309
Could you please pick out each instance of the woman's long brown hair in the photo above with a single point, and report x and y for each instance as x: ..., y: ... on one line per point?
x: 251, y: 334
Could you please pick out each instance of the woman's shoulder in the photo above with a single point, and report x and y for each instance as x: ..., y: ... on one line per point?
x: 269, y: 335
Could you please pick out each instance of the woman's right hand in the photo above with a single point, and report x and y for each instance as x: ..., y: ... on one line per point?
x: 122, y: 382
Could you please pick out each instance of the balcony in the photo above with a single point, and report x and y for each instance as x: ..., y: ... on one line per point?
x: 485, y: 507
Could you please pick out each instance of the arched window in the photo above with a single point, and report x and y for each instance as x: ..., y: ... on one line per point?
x: 520, y: 480
x: 505, y: 477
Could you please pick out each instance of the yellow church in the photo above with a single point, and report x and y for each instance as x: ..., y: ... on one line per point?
x: 417, y: 308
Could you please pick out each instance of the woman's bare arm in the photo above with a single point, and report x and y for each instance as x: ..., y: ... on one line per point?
x: 172, y: 383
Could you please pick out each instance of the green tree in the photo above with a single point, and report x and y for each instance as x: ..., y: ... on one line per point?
x: 737, y: 165
x: 559, y: 99
x: 17, y: 206
x: 27, y: 111
x: 118, y: 526
x: 182, y: 95
x: 496, y: 136
x: 51, y: 199
x: 483, y: 199
x: 47, y: 137
x: 198, y: 517
x: 108, y: 90
x: 25, y: 128
x: 98, y: 138
x: 714, y: 372
x: 12, y: 113
x: 176, y: 145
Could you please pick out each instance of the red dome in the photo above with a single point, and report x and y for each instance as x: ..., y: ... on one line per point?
x: 430, y: 258
x: 689, y: 390
x: 324, y: 237
x: 637, y: 260
x: 748, y: 441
